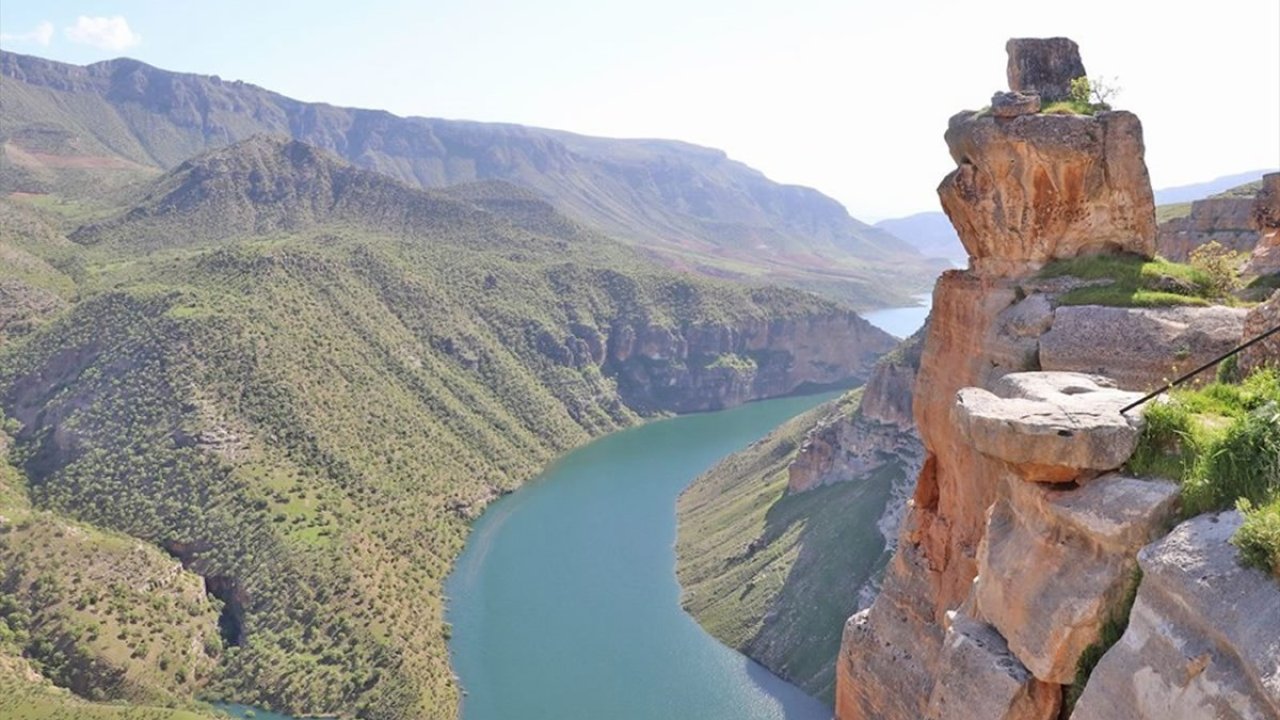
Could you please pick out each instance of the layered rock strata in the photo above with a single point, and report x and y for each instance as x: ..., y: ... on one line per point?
x: 1227, y: 221
x: 695, y: 368
x: 842, y: 447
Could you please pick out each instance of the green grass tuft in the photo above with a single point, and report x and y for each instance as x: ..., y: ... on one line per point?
x: 1222, y: 443
x: 1259, y: 537
x: 1134, y: 281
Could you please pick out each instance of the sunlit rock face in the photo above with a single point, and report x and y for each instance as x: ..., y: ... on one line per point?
x: 1029, y: 188
x: 1202, y: 640
x: 1041, y: 187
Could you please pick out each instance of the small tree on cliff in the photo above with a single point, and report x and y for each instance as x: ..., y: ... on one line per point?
x: 1095, y: 94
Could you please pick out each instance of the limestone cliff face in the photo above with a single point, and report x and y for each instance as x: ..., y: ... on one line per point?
x: 1227, y: 221
x: 695, y: 368
x: 843, y: 448
x: 1038, y: 187
x: 1027, y: 190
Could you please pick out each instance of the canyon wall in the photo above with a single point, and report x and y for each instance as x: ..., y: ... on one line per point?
x: 708, y: 367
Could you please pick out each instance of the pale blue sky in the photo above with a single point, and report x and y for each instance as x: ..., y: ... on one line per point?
x: 847, y: 96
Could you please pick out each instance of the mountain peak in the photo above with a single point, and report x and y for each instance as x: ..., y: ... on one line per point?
x: 269, y: 184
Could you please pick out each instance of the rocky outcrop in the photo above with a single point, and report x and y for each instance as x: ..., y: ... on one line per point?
x: 1201, y: 640
x: 1227, y: 221
x: 1055, y: 563
x: 1266, y: 220
x: 695, y: 368
x: 1048, y: 427
x: 1044, y: 66
x: 843, y: 447
x: 1027, y: 190
x: 1261, y: 319
x: 982, y: 680
x: 1145, y: 347
x: 1041, y: 187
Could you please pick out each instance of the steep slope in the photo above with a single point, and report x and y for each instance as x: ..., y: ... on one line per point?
x: 308, y: 413
x: 1225, y: 218
x: 691, y: 206
x: 779, y: 543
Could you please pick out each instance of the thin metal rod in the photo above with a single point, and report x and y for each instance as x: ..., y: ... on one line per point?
x: 1199, y: 370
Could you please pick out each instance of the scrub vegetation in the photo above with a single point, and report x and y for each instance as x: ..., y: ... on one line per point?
x: 284, y: 413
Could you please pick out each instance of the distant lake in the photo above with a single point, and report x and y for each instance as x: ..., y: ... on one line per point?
x: 901, y: 322
x: 565, y: 604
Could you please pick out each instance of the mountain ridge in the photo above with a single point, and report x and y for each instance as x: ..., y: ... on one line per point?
x: 691, y: 207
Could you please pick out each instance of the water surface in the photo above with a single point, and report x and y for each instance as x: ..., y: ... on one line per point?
x: 901, y: 322
x: 565, y: 604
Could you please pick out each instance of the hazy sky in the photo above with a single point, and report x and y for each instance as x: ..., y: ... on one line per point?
x: 847, y: 96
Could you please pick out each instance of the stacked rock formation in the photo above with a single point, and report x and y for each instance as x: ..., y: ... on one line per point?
x: 1022, y: 538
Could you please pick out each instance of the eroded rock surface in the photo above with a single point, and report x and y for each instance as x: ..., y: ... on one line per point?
x: 1056, y: 562
x: 982, y: 680
x: 1143, y: 347
x: 1203, y: 638
x: 1045, y: 66
x: 1041, y: 187
x: 1227, y: 221
x: 1049, y: 426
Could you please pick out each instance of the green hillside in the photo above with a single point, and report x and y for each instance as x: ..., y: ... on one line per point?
x: 302, y: 381
x: 103, y: 129
x: 775, y: 574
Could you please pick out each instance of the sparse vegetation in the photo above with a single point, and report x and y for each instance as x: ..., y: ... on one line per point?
x: 1132, y: 281
x: 1222, y: 442
x: 1110, y: 634
x: 310, y: 417
x: 1220, y: 266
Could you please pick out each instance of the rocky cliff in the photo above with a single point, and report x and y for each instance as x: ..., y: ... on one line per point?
x: 1226, y: 218
x: 1020, y: 538
x: 708, y: 367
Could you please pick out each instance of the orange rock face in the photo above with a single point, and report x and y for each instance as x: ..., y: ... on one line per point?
x: 1027, y: 190
x: 1041, y: 187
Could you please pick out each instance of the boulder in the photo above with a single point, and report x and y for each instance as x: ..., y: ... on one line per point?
x: 1036, y: 188
x: 1045, y: 66
x: 1203, y: 638
x: 1049, y: 426
x: 1013, y: 104
x: 1259, y: 320
x: 981, y: 680
x: 1056, y: 563
x: 1139, y: 348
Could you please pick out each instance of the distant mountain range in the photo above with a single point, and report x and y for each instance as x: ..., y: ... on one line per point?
x: 689, y: 206
x: 932, y: 234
